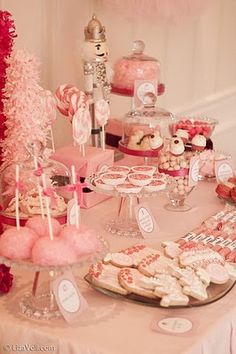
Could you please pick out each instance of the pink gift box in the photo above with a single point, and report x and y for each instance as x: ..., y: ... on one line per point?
x: 94, y: 160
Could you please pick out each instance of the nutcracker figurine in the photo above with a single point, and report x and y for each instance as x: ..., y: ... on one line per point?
x: 96, y: 72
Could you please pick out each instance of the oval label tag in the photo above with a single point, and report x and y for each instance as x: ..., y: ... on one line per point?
x: 68, y: 296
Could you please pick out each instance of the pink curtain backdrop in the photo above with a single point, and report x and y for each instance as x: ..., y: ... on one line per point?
x: 168, y: 10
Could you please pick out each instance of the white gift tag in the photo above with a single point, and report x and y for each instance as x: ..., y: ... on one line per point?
x: 70, y: 301
x: 193, y: 171
x: 223, y: 170
x: 174, y: 325
x: 146, y: 222
x: 71, y: 212
x: 141, y: 87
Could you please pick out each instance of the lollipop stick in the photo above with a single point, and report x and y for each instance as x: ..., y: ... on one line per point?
x: 52, y: 140
x: 47, y: 209
x: 39, y: 189
x: 83, y: 150
x: 103, y: 138
x: 75, y: 196
x: 17, y: 198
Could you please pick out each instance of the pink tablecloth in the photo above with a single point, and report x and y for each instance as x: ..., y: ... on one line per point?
x: 112, y: 326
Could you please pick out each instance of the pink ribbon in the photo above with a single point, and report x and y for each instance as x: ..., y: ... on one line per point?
x: 78, y: 188
x: 38, y: 172
x: 49, y: 192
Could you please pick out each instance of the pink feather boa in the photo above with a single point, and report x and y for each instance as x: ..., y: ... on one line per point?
x: 7, y: 35
x: 172, y: 11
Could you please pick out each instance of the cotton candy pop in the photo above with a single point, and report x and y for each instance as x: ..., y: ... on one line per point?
x: 81, y: 126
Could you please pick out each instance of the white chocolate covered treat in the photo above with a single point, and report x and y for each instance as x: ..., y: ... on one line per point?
x: 176, y: 146
x: 199, y: 142
x: 183, y: 134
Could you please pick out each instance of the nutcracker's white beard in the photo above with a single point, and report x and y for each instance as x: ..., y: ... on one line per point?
x: 87, y: 54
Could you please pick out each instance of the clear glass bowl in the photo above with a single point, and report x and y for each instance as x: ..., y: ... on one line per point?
x: 194, y: 125
x: 208, y: 159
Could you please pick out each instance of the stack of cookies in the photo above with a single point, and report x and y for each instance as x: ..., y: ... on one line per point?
x: 152, y: 274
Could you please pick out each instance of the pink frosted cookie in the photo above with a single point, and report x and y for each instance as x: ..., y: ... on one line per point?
x: 40, y: 226
x: 83, y: 241
x: 53, y: 252
x: 113, y: 178
x: 129, y: 279
x: 149, y: 170
x: 128, y: 188
x: 118, y: 259
x: 106, y: 276
x: 139, y: 179
x: 117, y: 168
x: 100, y: 184
x: 17, y: 244
x: 138, y: 252
x: 155, y: 264
x: 155, y: 185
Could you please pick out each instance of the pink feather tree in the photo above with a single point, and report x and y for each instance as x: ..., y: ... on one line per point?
x: 29, y: 109
x: 7, y: 35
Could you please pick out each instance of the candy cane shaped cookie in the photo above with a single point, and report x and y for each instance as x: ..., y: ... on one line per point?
x: 129, y: 279
x: 106, y: 276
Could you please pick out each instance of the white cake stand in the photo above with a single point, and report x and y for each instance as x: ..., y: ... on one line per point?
x: 124, y: 223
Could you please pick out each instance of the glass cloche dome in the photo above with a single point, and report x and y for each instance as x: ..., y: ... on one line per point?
x: 31, y: 195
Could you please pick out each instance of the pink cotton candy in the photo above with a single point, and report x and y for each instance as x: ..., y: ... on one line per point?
x: 17, y: 244
x: 127, y: 71
x: 83, y: 240
x: 40, y: 226
x: 53, y: 252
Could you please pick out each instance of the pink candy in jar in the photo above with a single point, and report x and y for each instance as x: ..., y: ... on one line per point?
x: 137, y: 66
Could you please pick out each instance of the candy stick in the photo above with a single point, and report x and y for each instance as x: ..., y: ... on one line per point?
x: 52, y: 140
x: 102, y: 114
x: 47, y: 209
x: 39, y: 189
x: 75, y: 196
x: 83, y: 150
x: 103, y: 138
x: 17, y: 198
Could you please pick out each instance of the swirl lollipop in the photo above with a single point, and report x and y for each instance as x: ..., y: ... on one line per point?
x: 63, y: 97
x: 102, y: 114
x: 81, y: 127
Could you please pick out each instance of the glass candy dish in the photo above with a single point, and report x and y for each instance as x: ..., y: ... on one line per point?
x: 208, y: 159
x: 194, y: 125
